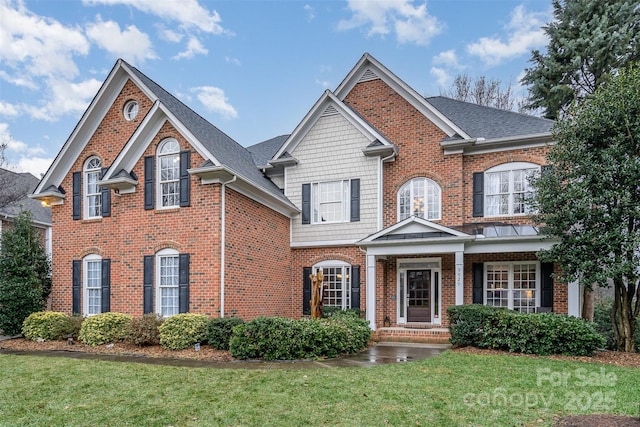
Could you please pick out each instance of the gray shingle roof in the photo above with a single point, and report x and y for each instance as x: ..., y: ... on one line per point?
x: 226, y: 150
x: 23, y: 183
x: 486, y: 122
x: 265, y: 150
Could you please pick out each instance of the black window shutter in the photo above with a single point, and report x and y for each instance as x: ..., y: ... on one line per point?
x: 306, y: 204
x: 106, y: 286
x: 75, y: 286
x: 183, y: 283
x: 185, y: 179
x: 148, y: 284
x: 355, y: 200
x: 355, y: 286
x: 106, y: 197
x: 306, y: 290
x: 478, y: 194
x: 77, y: 195
x: 546, y: 285
x: 149, y: 185
x: 477, y: 282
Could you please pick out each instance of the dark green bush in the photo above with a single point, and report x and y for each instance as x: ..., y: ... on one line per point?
x: 467, y: 323
x: 47, y: 325
x: 602, y: 322
x: 105, y: 328
x: 183, y: 330
x: 329, y: 311
x: 278, y: 338
x: 145, y: 330
x: 220, y: 330
x: 76, y: 324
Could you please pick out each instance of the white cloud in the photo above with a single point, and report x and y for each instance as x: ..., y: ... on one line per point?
x: 232, y: 60
x: 448, y: 58
x: 214, y: 100
x: 323, y: 83
x: 37, y: 166
x: 130, y: 44
x: 64, y: 97
x: 188, y: 13
x: 34, y: 46
x: 169, y: 35
x: 524, y: 33
x: 443, y: 78
x: 411, y: 23
x: 194, y: 47
x: 310, y: 12
x: 12, y: 144
x: 8, y: 110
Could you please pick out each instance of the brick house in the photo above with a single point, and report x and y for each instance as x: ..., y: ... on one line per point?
x: 408, y: 205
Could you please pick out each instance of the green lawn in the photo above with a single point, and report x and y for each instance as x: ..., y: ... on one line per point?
x: 453, y: 389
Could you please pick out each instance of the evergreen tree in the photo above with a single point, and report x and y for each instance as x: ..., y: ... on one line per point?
x: 25, y: 281
x: 590, y: 198
x: 588, y: 40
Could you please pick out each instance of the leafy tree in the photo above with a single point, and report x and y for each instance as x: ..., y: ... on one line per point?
x: 588, y: 40
x: 25, y: 281
x: 481, y: 91
x: 590, y: 198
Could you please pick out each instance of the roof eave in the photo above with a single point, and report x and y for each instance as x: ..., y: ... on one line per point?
x: 474, y: 145
x: 49, y: 198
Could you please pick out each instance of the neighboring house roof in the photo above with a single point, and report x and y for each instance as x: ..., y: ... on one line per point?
x: 23, y: 183
x: 486, y: 122
x: 263, y: 151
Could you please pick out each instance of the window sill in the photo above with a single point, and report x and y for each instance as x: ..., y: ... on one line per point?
x: 91, y: 220
x: 167, y: 210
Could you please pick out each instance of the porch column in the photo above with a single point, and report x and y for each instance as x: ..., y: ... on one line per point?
x: 371, y: 291
x: 459, y: 278
x: 574, y: 304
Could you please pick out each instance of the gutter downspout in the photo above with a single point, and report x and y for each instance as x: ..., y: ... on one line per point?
x: 222, y: 241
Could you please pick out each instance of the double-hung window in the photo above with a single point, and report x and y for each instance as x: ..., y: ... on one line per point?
x: 92, y: 191
x: 513, y: 285
x: 508, y: 188
x: 419, y: 197
x: 92, y: 285
x: 330, y: 201
x: 169, y: 174
x: 168, y: 266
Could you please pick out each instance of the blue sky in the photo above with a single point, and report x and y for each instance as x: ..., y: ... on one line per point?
x: 252, y: 68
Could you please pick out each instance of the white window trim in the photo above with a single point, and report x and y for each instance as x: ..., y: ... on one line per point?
x: 346, y: 289
x: 85, y: 187
x: 506, y: 167
x: 159, y: 182
x: 160, y: 254
x: 433, y: 264
x: 85, y: 283
x: 411, y: 191
x: 129, y: 113
x: 345, y: 203
x: 510, y: 288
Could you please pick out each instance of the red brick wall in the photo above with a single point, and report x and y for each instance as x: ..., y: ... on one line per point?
x: 258, y: 260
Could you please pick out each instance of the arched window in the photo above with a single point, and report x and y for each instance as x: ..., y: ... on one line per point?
x: 92, y: 284
x: 92, y: 191
x: 337, y: 283
x: 419, y: 197
x: 167, y: 282
x: 168, y: 174
x: 507, y: 188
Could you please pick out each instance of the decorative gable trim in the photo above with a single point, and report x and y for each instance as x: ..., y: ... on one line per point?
x: 329, y: 111
x: 368, y: 75
x: 368, y: 66
x: 415, y: 225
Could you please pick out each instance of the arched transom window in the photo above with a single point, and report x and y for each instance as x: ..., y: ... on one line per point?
x: 92, y: 191
x: 419, y: 197
x: 168, y: 174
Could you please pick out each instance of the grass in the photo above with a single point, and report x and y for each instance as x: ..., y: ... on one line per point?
x: 453, y: 389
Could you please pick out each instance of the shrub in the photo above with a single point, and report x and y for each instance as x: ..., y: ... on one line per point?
x: 145, y: 330
x: 329, y: 311
x: 278, y: 338
x: 48, y: 325
x: 183, y: 330
x: 602, y: 322
x: 220, y: 330
x: 76, y: 324
x: 467, y: 323
x: 105, y: 328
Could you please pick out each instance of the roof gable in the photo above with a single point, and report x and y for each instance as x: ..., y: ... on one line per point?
x: 414, y: 228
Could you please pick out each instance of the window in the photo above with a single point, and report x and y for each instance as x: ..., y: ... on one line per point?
x: 419, y: 197
x: 130, y: 110
x: 507, y: 189
x: 330, y: 201
x: 167, y: 274
x: 169, y: 174
x: 337, y: 283
x: 92, y: 191
x: 513, y: 285
x: 92, y: 285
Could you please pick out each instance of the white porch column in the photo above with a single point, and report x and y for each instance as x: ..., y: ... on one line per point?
x: 573, y: 299
x: 371, y: 291
x: 459, y: 278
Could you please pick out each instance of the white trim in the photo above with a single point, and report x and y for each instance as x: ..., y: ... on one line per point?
x: 85, y: 283
x: 223, y: 237
x: 175, y: 155
x: 411, y: 184
x: 510, y: 168
x: 510, y: 289
x: 371, y: 291
x: 167, y: 252
x: 345, y: 198
x: 419, y: 221
x: 48, y: 240
x: 574, y: 307
x: 345, y: 285
x: 130, y: 110
x: 85, y: 187
x: 324, y: 243
x: 459, y: 278
x: 436, y: 318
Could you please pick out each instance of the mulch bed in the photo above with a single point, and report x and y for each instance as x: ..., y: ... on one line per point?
x: 597, y: 420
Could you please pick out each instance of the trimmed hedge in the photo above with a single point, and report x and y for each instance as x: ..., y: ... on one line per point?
x: 105, y: 328
x: 220, y: 331
x: 183, y: 330
x: 280, y: 338
x: 47, y: 325
x: 542, y: 334
x: 145, y: 330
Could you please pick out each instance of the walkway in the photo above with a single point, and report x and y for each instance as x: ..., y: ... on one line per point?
x: 380, y: 354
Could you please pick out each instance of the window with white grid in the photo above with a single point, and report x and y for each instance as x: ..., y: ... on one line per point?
x: 336, y: 284
x: 92, y: 285
x: 330, y: 201
x: 169, y: 174
x: 92, y: 191
x: 419, y: 197
x: 168, y: 276
x: 507, y: 189
x: 513, y: 285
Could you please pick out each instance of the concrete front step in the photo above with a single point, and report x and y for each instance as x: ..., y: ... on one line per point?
x: 417, y: 335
